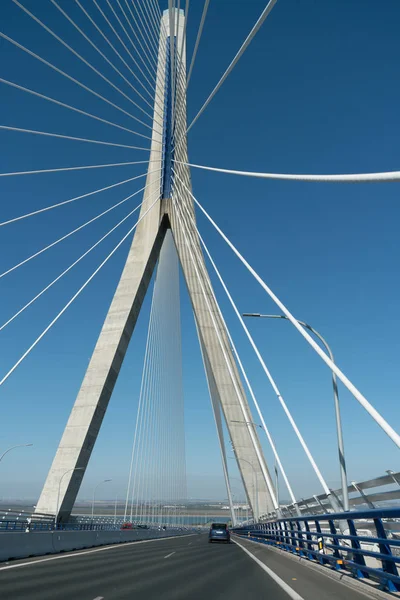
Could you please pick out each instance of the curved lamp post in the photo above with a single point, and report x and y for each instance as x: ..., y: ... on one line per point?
x: 58, y: 494
x: 342, y: 461
x: 94, y: 493
x: 12, y: 448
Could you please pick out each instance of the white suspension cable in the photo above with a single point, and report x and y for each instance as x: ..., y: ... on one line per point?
x: 211, y: 388
x: 240, y: 52
x: 136, y: 437
x: 130, y: 39
x: 242, y: 369
x: 143, y: 52
x: 348, y: 178
x: 183, y: 44
x: 171, y: 10
x: 66, y: 236
x: 151, y: 84
x: 112, y: 47
x: 73, y: 108
x: 392, y: 434
x: 145, y: 433
x: 218, y: 425
x: 158, y: 31
x: 156, y: 8
x: 60, y: 169
x: 131, y: 489
x: 179, y: 125
x: 47, y: 287
x: 75, y: 53
x: 246, y: 417
x: 180, y: 69
x: 176, y: 58
x: 150, y: 49
x: 61, y: 72
x: 198, y: 38
x: 141, y: 417
x: 77, y: 139
x: 152, y: 44
x: 87, y: 38
x: 66, y: 306
x: 40, y: 210
x: 179, y: 83
x: 126, y: 49
x: 153, y: 31
x: 158, y: 466
x: 152, y: 70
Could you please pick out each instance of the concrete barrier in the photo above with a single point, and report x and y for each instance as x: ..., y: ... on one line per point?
x: 36, y: 543
x: 63, y: 541
x: 22, y: 545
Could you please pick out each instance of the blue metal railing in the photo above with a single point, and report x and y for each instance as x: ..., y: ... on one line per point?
x: 340, y: 547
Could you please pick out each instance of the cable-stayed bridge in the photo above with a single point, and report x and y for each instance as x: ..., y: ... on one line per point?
x: 124, y: 70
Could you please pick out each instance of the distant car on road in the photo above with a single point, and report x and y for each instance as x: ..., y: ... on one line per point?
x: 127, y: 526
x: 219, y: 532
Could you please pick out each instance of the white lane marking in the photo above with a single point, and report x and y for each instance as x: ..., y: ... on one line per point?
x: 84, y: 552
x: 286, y: 588
x: 99, y: 598
x: 168, y: 555
x: 190, y: 544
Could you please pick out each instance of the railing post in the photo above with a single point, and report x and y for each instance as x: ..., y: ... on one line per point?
x: 336, y: 552
x: 287, y: 538
x: 293, y: 539
x: 321, y: 558
x: 358, y: 558
x: 276, y: 532
x: 310, y: 547
x: 388, y: 566
x: 281, y: 536
x: 300, y: 542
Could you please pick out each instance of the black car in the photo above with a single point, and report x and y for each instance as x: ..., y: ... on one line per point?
x: 219, y: 532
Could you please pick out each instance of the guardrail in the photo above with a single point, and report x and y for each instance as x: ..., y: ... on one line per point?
x: 28, y: 526
x: 385, y: 489
x: 367, y: 548
x: 22, y: 543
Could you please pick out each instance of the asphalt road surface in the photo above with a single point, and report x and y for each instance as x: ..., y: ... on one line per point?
x: 186, y: 568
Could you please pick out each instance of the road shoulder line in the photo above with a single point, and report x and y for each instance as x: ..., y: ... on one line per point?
x: 282, y: 584
x: 367, y: 589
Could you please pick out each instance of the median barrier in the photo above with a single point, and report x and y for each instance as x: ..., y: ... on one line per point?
x: 35, y: 543
x: 63, y: 541
x: 22, y: 545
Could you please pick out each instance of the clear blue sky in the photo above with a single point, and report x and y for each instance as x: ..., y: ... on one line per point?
x: 316, y: 92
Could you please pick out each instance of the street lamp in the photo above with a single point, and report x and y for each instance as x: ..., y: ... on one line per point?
x: 58, y: 494
x: 256, y: 485
x: 342, y: 461
x: 94, y: 493
x: 12, y: 448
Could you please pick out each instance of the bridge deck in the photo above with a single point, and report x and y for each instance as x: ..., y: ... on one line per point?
x: 172, y: 569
